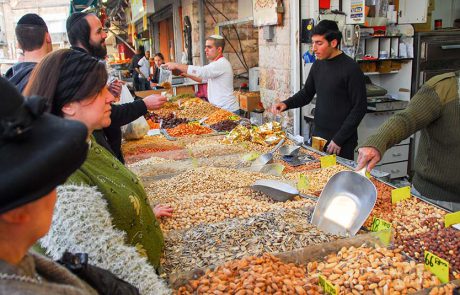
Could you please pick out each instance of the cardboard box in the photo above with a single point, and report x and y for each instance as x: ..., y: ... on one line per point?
x: 249, y: 101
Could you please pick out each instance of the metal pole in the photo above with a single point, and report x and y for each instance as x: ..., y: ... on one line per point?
x: 201, y: 31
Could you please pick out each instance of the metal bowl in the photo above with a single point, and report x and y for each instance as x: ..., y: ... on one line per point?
x: 289, y: 150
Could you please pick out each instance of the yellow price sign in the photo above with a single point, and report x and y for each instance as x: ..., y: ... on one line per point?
x: 451, y: 218
x: 250, y: 157
x: 234, y: 117
x: 383, y: 228
x: 438, y: 266
x: 328, y: 161
x: 303, y: 182
x: 327, y: 286
x: 380, y: 224
x: 400, y: 194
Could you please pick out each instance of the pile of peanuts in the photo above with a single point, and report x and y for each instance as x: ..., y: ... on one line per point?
x: 304, y: 167
x: 192, y: 210
x: 366, y: 270
x: 154, y: 143
x: 188, y: 129
x: 251, y: 275
x: 317, y: 179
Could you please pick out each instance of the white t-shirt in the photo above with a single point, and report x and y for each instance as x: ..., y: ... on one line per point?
x: 219, y: 75
x: 144, y: 67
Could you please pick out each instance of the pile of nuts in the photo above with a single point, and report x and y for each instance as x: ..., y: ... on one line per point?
x: 188, y: 129
x: 383, y: 206
x: 443, y: 242
x: 304, y: 167
x: 366, y: 270
x: 148, y: 144
x: 212, y: 150
x: 226, y: 125
x: 251, y: 275
x: 197, y: 111
x: 317, y: 179
x: 218, y: 116
x: 192, y: 210
x: 204, y: 180
x: 215, y: 243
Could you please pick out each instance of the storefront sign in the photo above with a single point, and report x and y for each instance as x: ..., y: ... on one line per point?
x: 137, y: 9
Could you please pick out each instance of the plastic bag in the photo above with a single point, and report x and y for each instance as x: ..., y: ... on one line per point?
x: 165, y: 76
x: 138, y: 128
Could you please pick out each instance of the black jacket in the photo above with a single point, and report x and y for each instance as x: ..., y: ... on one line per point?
x: 19, y: 74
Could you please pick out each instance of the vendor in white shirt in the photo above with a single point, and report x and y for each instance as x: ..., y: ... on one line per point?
x: 218, y: 74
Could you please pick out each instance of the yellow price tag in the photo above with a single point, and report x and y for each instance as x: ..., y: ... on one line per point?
x: 327, y: 286
x: 328, y: 161
x: 383, y: 228
x: 438, y: 266
x: 452, y: 218
x: 303, y: 182
x: 234, y: 117
x: 400, y: 194
x: 251, y: 156
x: 380, y: 224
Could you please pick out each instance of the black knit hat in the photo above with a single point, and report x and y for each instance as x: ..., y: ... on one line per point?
x: 38, y: 151
x: 32, y: 19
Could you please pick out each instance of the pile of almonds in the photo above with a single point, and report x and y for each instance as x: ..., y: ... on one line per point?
x: 250, y: 275
x: 317, y: 179
x: 366, y: 270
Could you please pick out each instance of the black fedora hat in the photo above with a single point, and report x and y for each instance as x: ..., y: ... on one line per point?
x: 38, y: 151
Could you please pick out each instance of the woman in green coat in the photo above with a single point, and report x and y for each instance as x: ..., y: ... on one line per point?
x: 102, y: 209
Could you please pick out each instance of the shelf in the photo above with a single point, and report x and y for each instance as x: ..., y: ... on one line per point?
x: 377, y: 37
x: 390, y: 59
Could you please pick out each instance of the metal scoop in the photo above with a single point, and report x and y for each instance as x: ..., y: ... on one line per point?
x: 266, y: 158
x: 277, y: 190
x: 345, y: 203
x: 165, y: 133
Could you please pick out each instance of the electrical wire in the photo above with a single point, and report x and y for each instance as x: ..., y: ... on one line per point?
x: 243, y: 59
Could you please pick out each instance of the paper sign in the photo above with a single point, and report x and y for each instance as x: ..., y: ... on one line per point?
x: 383, y: 228
x: 327, y: 286
x: 303, y: 182
x: 328, y: 161
x: 438, y: 266
x: 400, y: 194
x: 251, y: 156
x: 452, y: 218
x: 380, y: 224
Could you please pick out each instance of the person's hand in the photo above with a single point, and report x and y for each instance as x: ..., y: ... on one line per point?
x: 115, y: 88
x: 277, y: 108
x: 162, y: 211
x: 154, y: 101
x: 333, y: 148
x: 172, y: 66
x: 368, y: 157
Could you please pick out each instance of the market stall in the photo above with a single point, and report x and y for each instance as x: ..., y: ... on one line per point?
x: 226, y: 234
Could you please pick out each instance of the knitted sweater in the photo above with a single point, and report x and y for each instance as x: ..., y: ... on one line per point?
x: 82, y: 223
x: 435, y: 110
x: 22, y: 279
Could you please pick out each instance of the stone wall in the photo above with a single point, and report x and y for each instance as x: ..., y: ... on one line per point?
x: 247, y: 32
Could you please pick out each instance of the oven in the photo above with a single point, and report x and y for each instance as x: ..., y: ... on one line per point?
x: 435, y: 53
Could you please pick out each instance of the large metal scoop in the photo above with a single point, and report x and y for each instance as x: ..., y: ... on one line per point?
x: 345, y: 203
x: 277, y: 190
x: 266, y: 158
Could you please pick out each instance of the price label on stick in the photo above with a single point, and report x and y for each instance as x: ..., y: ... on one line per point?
x: 451, y: 218
x: 303, y: 182
x: 438, y: 266
x: 400, y: 194
x: 328, y: 161
x: 379, y: 225
x: 327, y: 286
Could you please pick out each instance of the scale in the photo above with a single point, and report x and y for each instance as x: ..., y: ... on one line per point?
x: 385, y: 103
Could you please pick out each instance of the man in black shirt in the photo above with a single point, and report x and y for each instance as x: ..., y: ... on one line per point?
x: 86, y: 34
x: 339, y: 85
